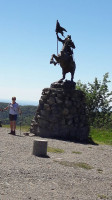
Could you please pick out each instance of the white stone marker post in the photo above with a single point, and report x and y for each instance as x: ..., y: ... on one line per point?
x: 40, y: 148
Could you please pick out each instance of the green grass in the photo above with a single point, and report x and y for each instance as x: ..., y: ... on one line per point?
x: 77, y: 152
x: 54, y: 150
x: 101, y: 136
x: 101, y: 196
x: 24, y: 128
x: 100, y: 170
x: 75, y: 165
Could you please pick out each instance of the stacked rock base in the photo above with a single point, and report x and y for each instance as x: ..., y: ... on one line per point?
x: 61, y: 113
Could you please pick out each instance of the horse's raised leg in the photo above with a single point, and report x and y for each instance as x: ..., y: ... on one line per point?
x: 52, y: 60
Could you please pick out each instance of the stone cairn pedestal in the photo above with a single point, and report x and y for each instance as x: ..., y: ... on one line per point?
x: 61, y: 113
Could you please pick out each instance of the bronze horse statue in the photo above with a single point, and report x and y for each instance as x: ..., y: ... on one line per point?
x: 65, y: 58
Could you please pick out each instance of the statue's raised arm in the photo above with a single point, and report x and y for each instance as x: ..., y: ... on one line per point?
x: 59, y: 39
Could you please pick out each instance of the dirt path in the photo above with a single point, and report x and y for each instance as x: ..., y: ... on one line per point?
x: 82, y: 172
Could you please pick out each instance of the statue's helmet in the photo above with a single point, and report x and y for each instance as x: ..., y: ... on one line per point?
x: 69, y: 37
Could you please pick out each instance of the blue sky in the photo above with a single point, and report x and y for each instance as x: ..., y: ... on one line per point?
x: 28, y: 39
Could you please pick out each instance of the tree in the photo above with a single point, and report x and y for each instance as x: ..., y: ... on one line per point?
x: 98, y: 100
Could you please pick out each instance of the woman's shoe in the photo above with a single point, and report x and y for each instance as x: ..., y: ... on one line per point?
x: 13, y: 132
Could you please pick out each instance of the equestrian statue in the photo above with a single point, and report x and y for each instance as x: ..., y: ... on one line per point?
x: 65, y: 57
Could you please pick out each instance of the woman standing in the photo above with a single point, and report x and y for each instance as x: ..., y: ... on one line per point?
x: 14, y: 109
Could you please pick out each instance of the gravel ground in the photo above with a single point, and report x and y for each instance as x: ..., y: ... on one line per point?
x: 60, y: 176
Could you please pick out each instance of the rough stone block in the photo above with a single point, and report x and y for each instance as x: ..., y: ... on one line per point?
x: 40, y: 148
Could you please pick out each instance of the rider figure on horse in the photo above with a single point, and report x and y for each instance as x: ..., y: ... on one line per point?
x: 68, y: 51
x: 65, y: 57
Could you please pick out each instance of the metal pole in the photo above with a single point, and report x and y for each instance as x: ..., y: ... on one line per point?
x: 20, y: 128
x: 20, y: 125
x: 57, y: 45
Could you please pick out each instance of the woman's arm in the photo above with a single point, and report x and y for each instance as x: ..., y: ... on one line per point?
x: 5, y: 108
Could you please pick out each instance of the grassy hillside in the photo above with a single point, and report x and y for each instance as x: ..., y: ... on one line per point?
x: 28, y: 113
